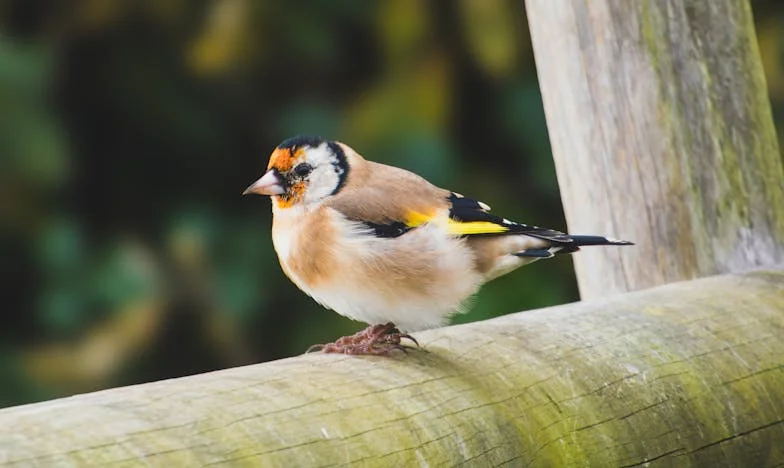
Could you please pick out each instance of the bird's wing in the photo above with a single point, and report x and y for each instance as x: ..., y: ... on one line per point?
x: 470, y: 217
x: 388, y: 200
x: 391, y: 210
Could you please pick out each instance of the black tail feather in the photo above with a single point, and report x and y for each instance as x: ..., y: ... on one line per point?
x: 597, y: 240
x: 571, y: 246
x: 535, y: 253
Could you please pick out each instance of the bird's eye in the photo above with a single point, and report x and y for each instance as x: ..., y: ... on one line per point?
x: 303, y: 169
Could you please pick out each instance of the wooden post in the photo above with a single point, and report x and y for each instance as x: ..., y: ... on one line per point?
x: 662, y: 134
x: 687, y: 374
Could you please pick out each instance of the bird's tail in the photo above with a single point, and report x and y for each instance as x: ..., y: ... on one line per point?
x: 572, y: 245
x: 598, y: 240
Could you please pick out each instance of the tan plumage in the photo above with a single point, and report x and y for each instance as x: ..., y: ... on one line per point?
x: 380, y: 244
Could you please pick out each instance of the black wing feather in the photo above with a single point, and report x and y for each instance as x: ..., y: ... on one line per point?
x: 467, y: 210
x: 389, y: 230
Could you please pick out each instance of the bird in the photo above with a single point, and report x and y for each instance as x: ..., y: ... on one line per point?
x: 382, y: 245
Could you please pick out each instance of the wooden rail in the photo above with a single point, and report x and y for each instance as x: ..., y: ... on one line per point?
x: 662, y: 134
x: 687, y: 373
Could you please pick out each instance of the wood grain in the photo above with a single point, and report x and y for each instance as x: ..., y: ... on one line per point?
x: 662, y: 134
x: 688, y: 374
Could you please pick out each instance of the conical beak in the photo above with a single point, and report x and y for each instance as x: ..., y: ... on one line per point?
x: 269, y: 184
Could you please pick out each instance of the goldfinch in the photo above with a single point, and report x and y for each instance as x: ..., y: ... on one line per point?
x: 382, y: 245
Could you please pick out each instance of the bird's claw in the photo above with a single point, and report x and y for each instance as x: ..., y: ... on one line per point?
x: 375, y: 340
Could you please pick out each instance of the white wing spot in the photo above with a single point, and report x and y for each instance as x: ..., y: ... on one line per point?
x: 484, y: 206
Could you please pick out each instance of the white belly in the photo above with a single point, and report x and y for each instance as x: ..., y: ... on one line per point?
x: 416, y: 280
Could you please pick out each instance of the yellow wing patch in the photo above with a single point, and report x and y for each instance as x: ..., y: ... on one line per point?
x: 414, y: 219
x: 460, y: 228
x: 455, y: 227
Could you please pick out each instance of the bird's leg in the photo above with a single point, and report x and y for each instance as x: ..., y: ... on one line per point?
x: 376, y: 340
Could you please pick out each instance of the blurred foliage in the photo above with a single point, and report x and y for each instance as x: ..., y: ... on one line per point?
x: 129, y: 129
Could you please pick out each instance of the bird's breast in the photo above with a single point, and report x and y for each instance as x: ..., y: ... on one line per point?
x: 304, y: 243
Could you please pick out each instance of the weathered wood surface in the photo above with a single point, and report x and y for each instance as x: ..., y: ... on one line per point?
x: 662, y: 134
x: 686, y: 374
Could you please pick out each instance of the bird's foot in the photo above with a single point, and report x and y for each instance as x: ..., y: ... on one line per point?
x: 375, y: 340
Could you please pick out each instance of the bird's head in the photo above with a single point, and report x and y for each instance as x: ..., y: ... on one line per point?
x: 302, y: 170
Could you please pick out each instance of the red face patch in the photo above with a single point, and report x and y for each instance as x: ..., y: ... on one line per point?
x: 293, y: 195
x: 283, y: 159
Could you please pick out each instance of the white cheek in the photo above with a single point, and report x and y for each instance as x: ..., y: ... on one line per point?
x: 318, y: 189
x: 324, y: 179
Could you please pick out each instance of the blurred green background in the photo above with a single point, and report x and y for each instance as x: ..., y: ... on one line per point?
x: 129, y: 128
